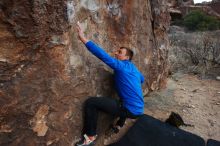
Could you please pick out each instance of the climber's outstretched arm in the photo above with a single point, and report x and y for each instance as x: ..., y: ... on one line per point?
x: 98, y: 51
x: 81, y: 33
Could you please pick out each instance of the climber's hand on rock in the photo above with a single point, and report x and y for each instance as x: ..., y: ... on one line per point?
x: 79, y: 29
x: 81, y: 33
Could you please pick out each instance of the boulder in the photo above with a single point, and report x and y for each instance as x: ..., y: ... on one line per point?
x: 46, y: 73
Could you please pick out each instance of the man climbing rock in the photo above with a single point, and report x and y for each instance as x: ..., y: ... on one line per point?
x: 127, y: 81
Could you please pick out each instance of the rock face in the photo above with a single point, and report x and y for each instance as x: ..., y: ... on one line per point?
x: 46, y: 73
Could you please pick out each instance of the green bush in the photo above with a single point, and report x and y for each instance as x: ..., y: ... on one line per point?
x: 198, y: 20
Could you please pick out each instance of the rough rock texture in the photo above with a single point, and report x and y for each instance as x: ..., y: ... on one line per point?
x: 196, y: 52
x: 46, y: 73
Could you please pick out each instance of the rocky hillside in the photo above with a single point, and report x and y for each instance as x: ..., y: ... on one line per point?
x: 194, y: 52
x: 46, y: 73
x: 214, y: 4
x: 178, y: 9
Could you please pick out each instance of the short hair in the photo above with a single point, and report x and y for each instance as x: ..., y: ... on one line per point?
x: 129, y: 52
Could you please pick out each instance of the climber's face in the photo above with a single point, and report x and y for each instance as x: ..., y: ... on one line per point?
x: 121, y: 54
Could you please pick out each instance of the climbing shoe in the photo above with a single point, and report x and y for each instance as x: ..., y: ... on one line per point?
x: 86, y: 141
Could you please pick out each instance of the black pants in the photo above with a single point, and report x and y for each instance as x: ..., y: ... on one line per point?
x: 110, y: 106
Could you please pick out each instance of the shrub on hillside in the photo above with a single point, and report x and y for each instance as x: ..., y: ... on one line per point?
x: 195, y: 53
x: 198, y: 20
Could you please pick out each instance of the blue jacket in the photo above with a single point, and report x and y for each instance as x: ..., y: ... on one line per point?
x: 127, y: 78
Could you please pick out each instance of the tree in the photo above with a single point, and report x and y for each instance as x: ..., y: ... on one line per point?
x: 198, y: 20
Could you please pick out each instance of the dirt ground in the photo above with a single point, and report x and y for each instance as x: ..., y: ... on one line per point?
x: 196, y: 100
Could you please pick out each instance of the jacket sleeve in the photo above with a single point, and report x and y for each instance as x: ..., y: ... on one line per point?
x: 142, y: 78
x: 102, y: 55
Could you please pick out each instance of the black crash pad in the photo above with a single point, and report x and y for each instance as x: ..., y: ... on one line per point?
x: 148, y: 131
x: 212, y: 142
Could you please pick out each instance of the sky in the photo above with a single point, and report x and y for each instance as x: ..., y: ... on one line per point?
x: 199, y: 1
